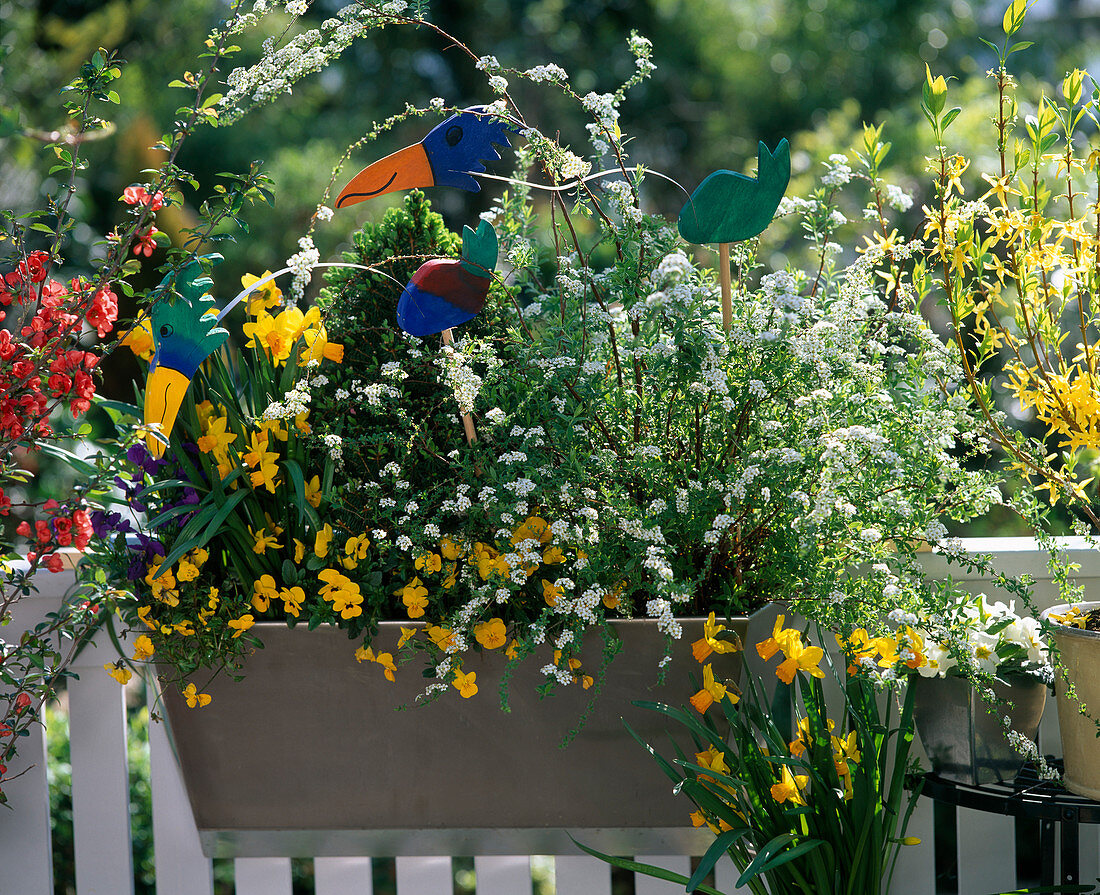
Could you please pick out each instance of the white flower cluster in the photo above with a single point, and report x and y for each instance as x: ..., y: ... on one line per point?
x: 459, y: 377
x: 547, y: 73
x: 295, y: 402
x: 335, y: 445
x: 838, y: 172
x: 301, y: 263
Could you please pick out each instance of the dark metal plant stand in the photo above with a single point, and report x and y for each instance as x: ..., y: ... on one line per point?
x: 1030, y: 797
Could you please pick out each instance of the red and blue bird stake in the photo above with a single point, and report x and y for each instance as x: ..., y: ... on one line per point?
x: 444, y: 292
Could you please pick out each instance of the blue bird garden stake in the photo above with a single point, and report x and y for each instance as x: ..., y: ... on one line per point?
x: 443, y: 292
x: 730, y: 207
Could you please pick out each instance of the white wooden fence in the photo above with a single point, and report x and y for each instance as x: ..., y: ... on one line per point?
x: 986, y: 844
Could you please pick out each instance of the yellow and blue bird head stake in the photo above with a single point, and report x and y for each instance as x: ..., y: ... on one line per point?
x: 452, y: 151
x: 185, y: 333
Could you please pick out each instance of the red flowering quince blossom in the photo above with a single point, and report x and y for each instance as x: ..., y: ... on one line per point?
x: 43, y: 365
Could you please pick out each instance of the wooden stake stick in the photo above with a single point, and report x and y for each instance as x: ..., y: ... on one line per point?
x: 724, y: 279
x: 467, y: 420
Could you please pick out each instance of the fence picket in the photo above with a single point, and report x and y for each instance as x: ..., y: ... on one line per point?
x: 581, y: 875
x: 648, y: 885
x: 726, y: 875
x: 26, y: 866
x: 915, y: 873
x: 509, y: 875
x: 343, y: 876
x: 262, y: 876
x: 987, y: 852
x: 182, y: 869
x: 425, y: 876
x: 101, y: 782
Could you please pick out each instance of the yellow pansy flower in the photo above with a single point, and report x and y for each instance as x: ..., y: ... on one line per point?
x: 429, y: 563
x: 415, y: 597
x: 450, y: 550
x: 532, y: 528
x: 322, y: 541
x: 440, y: 636
x: 313, y: 491
x: 143, y: 648
x: 491, y: 634
x: 263, y: 592
x: 465, y: 682
x: 553, y: 555
x: 551, y: 592
x: 406, y: 635
x: 118, y: 671
x: 242, y: 624
x: 194, y: 698
x: 293, y: 598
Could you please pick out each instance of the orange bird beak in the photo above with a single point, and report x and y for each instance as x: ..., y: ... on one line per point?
x: 402, y: 170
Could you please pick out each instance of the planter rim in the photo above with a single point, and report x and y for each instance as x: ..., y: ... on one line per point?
x: 1069, y: 630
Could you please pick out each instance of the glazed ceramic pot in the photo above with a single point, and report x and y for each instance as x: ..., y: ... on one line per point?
x: 964, y: 736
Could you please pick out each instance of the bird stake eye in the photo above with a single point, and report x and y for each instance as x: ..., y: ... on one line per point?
x: 166, y: 330
x: 454, y: 135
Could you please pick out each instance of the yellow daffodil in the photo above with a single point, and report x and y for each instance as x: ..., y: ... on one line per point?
x: 709, y: 643
x: 778, y: 641
x: 143, y: 614
x: 318, y: 347
x: 800, y: 658
x: 790, y: 787
x: 513, y: 649
x: 262, y: 541
x: 299, y: 551
x: 711, y: 692
x: 264, y: 462
x: 139, y: 338
x: 263, y: 299
x: 217, y: 438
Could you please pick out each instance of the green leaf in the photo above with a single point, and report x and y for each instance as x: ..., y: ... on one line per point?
x: 717, y: 848
x: 647, y: 869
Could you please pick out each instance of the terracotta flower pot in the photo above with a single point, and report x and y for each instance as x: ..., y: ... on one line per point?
x: 308, y: 756
x: 1079, y: 659
x: 963, y: 735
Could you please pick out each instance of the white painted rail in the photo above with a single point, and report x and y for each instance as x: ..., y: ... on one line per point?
x: 984, y: 854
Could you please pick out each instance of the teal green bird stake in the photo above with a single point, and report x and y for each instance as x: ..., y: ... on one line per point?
x: 185, y: 333
x: 730, y: 207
